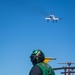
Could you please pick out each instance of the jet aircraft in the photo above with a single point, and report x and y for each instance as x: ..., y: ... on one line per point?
x: 53, y: 18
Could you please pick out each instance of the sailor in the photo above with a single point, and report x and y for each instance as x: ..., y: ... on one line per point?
x: 39, y: 67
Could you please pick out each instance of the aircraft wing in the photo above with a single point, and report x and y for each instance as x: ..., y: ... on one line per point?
x: 48, y: 18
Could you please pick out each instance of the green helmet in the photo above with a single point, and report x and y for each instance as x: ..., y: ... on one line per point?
x: 37, y: 56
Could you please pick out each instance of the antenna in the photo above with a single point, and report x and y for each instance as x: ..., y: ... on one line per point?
x: 69, y: 63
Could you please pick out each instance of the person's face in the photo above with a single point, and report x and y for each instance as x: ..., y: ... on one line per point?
x: 33, y: 59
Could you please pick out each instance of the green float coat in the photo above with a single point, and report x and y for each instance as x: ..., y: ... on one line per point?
x: 46, y: 69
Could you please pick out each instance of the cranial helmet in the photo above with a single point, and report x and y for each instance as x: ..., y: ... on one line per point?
x: 37, y: 56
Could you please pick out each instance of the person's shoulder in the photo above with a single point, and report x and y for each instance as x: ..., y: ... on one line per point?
x: 36, y: 67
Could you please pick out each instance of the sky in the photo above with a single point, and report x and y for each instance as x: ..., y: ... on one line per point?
x: 23, y: 29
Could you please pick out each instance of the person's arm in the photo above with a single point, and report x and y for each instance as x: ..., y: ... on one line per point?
x: 51, y: 71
